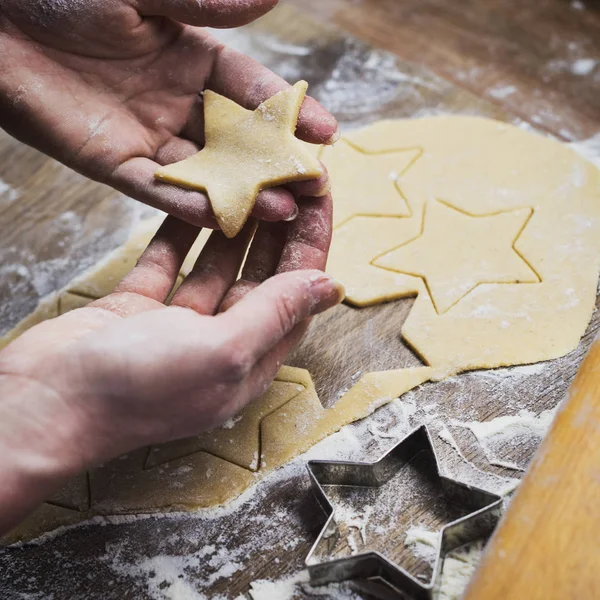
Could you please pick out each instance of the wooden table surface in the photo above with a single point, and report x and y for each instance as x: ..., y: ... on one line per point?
x: 523, y: 56
x: 533, y: 62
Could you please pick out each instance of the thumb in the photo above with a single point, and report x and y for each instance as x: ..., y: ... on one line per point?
x: 268, y: 313
x: 209, y: 13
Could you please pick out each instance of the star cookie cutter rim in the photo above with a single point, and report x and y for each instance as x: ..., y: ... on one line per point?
x: 485, y: 511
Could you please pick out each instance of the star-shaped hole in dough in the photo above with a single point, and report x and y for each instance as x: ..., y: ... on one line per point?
x: 245, y: 151
x: 367, y: 183
x: 457, y: 251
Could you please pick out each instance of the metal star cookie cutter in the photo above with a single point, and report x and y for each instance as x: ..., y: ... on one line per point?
x: 485, y: 510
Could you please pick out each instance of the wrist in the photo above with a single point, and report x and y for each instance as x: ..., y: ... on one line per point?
x: 42, y: 445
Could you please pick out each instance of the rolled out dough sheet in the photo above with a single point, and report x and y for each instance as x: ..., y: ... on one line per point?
x: 501, y: 245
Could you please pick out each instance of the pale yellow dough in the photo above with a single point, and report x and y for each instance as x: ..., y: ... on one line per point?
x: 245, y: 151
x: 501, y: 248
x: 367, y: 181
x: 455, y: 252
x: 500, y: 227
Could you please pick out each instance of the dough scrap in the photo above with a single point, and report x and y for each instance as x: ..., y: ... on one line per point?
x: 351, y: 262
x: 239, y: 440
x: 245, y: 151
x: 479, y: 167
x: 75, y: 495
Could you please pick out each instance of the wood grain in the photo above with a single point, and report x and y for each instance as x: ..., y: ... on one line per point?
x: 546, y: 547
x: 367, y: 340
x: 521, y: 56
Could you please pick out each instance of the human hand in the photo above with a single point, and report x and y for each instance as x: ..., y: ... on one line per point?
x: 128, y: 371
x: 111, y: 89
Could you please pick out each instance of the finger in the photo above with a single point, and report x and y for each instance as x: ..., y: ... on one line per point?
x: 266, y: 368
x: 267, y: 314
x: 156, y: 271
x: 274, y: 205
x: 278, y: 248
x: 135, y: 178
x: 309, y: 236
x: 249, y: 83
x: 174, y: 150
x: 312, y: 187
x: 307, y: 247
x: 265, y: 252
x: 208, y: 13
x: 215, y: 271
x: 261, y: 262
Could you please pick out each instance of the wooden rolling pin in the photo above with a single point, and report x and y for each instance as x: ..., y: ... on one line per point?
x: 547, y: 546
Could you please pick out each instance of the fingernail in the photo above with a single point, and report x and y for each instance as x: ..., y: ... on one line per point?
x: 324, y: 189
x: 293, y: 216
x: 334, y: 138
x: 326, y: 292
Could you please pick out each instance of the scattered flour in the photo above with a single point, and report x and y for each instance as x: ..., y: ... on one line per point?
x: 502, y: 92
x: 499, y: 434
x: 284, y: 589
x: 297, y: 586
x: 457, y: 570
x: 162, y: 575
x: 73, y: 241
x: 7, y: 193
x: 513, y: 373
x: 354, y: 519
x: 360, y: 81
x: 230, y: 423
x: 580, y: 67
x: 589, y: 148
x: 583, y: 66
x: 457, y: 567
x: 424, y: 543
x: 445, y: 435
x: 298, y: 166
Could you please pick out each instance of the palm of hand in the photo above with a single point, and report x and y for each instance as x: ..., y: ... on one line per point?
x: 131, y: 82
x: 150, y: 372
x: 111, y: 89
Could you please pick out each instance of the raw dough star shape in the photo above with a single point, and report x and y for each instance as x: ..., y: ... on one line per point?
x: 245, y: 151
x: 367, y: 182
x: 458, y: 251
